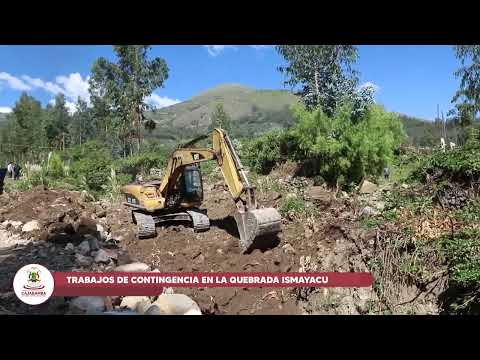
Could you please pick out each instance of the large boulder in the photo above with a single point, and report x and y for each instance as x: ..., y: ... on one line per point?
x: 101, y: 234
x: 176, y: 304
x: 85, y: 226
x: 69, y: 247
x: 102, y: 257
x: 318, y: 193
x: 88, y: 303
x: 368, y: 187
x: 82, y: 260
x: 31, y: 226
x: 133, y: 267
x: 8, y: 223
x: 368, y: 211
x: 133, y: 302
x: 154, y: 310
x: 61, y: 227
x: 143, y: 306
x: 92, y: 242
x: 84, y: 247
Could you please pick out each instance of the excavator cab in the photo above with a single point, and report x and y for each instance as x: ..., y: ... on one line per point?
x: 192, y: 184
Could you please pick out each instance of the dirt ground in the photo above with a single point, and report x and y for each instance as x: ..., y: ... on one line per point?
x: 323, y: 240
x: 329, y: 239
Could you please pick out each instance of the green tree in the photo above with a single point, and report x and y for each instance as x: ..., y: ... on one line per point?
x: 57, y: 123
x: 323, y: 74
x: 123, y: 87
x: 82, y: 126
x: 24, y: 130
x: 467, y: 97
x: 220, y: 119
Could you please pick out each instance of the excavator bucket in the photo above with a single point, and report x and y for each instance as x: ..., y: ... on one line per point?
x: 257, y: 225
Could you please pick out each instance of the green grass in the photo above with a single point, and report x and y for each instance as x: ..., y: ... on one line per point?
x: 265, y: 184
x: 419, y: 204
x: 294, y: 204
x: 470, y: 213
x: 371, y: 222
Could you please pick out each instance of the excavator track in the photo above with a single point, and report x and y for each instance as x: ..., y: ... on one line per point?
x: 200, y: 220
x: 145, y: 225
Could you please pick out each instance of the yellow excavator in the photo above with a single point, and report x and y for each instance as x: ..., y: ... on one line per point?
x: 179, y: 195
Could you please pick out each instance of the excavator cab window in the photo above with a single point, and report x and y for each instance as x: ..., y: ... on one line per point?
x: 192, y: 178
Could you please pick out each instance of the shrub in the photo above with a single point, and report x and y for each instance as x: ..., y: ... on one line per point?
x: 344, y: 147
x: 264, y: 152
x: 142, y: 163
x: 463, y: 253
x: 91, y: 166
x: 460, y: 164
x: 54, y: 167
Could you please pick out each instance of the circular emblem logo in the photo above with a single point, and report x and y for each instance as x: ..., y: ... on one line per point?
x: 33, y: 284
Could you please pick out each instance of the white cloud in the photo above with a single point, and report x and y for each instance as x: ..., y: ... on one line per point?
x: 13, y: 82
x: 370, y: 84
x: 72, y: 86
x: 261, y: 47
x: 75, y: 86
x: 70, y: 105
x: 5, y: 109
x: 158, y: 101
x: 215, y: 50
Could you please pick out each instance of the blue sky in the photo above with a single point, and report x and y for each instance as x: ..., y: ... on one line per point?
x: 411, y: 79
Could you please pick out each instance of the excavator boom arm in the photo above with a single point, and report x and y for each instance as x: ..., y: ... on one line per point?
x: 223, y: 152
x: 252, y: 223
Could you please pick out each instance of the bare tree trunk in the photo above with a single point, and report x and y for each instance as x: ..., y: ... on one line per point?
x: 317, y: 87
x: 137, y: 115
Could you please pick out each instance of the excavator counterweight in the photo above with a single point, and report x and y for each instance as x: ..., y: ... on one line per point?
x: 178, y: 196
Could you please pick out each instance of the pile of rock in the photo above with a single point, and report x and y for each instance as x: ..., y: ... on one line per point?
x: 295, y: 183
x: 453, y: 198
x: 156, y: 173
x: 318, y: 194
x: 168, y: 303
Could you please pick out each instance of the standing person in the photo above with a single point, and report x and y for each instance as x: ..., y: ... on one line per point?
x: 386, y: 173
x: 10, y: 169
x: 3, y: 172
x: 14, y: 170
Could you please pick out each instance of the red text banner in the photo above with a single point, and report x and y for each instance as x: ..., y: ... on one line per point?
x: 152, y: 283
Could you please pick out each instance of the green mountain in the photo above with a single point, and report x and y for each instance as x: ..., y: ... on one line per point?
x: 252, y: 112
x: 428, y: 133
x: 3, y: 119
